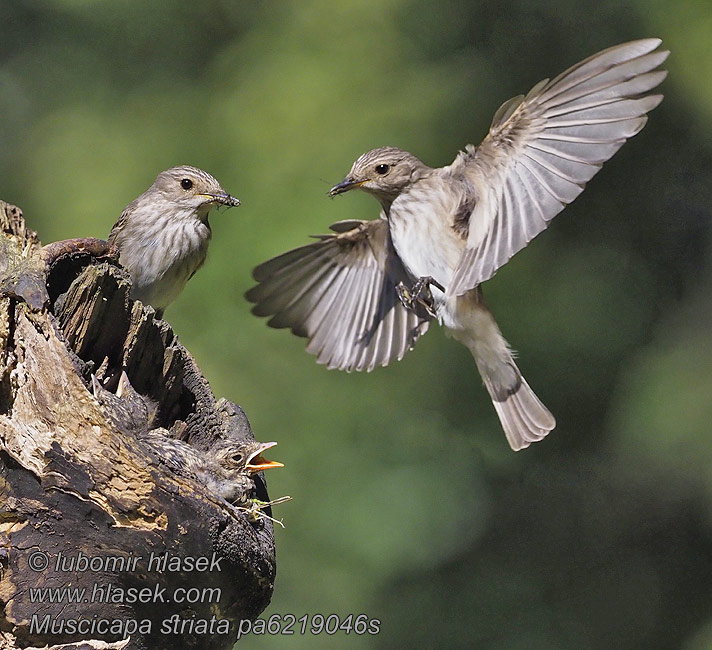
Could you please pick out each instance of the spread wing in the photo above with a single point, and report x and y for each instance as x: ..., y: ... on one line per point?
x: 340, y: 293
x: 544, y: 147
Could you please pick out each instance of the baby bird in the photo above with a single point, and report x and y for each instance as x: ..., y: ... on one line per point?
x: 226, y: 470
x: 130, y: 411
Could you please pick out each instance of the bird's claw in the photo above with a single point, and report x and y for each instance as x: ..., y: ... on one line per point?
x: 419, y: 294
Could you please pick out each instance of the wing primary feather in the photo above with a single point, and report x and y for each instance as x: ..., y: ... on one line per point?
x: 284, y: 288
x: 603, y: 60
x: 298, y: 312
x: 345, y: 335
x: 326, y: 326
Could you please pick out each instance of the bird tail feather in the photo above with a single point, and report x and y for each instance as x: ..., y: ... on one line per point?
x: 524, y: 418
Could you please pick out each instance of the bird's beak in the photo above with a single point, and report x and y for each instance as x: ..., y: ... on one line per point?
x: 124, y: 386
x: 223, y: 198
x: 255, y: 461
x: 96, y: 386
x: 344, y: 186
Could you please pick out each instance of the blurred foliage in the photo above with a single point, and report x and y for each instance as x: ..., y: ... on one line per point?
x: 408, y: 505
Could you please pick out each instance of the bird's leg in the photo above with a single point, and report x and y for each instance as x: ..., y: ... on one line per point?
x: 423, y: 284
x: 419, y: 294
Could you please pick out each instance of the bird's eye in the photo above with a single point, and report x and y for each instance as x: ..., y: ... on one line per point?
x: 186, y: 183
x: 237, y: 458
x: 382, y: 169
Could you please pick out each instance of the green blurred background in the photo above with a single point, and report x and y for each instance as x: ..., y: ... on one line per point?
x: 408, y: 504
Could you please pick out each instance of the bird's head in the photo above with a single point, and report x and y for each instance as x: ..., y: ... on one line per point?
x: 191, y: 188
x: 384, y: 172
x: 244, y: 456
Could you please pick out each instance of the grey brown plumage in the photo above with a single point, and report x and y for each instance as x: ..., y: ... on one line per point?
x: 130, y: 411
x: 226, y: 470
x: 339, y: 292
x: 458, y: 225
x: 163, y: 235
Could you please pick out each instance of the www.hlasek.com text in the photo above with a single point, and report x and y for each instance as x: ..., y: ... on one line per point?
x: 116, y: 594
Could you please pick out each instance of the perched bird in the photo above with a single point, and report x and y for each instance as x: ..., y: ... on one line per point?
x: 163, y: 235
x: 226, y: 470
x: 363, y: 295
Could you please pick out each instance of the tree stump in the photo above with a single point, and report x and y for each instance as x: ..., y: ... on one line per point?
x: 100, y: 543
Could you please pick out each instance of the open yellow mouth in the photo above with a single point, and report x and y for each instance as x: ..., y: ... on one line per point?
x: 257, y: 463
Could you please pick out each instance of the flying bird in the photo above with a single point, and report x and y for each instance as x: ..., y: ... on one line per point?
x: 364, y: 294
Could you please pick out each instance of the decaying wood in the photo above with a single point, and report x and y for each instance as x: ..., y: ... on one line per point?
x: 7, y: 641
x: 73, y: 485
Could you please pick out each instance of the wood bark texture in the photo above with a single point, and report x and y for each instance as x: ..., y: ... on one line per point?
x: 74, y: 485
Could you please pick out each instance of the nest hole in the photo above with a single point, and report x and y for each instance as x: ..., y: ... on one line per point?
x: 107, y: 332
